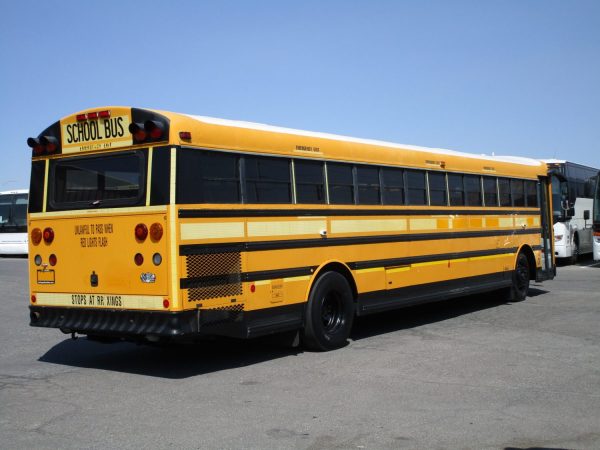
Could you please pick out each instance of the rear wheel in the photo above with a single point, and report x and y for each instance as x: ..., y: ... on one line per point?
x: 520, y: 279
x: 329, y: 313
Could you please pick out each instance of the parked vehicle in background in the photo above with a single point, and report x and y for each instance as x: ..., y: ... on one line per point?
x: 13, y: 222
x: 573, y: 188
x: 596, y: 226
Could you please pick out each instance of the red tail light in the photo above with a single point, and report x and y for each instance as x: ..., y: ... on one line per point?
x: 52, y: 259
x: 166, y: 302
x: 36, y: 236
x: 48, y: 235
x: 156, y: 231
x: 138, y: 259
x: 141, y: 232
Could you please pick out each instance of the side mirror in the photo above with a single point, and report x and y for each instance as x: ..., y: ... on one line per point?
x: 586, y: 215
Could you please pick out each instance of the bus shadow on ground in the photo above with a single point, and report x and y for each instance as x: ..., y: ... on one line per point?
x: 173, y: 361
x: 178, y: 361
x: 416, y: 316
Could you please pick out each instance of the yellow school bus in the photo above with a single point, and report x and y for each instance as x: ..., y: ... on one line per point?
x: 149, y: 225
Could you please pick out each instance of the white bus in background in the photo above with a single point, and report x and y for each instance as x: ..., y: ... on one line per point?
x: 596, y: 228
x: 13, y: 222
x: 573, y: 187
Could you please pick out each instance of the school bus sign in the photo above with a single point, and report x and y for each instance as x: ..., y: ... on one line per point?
x: 101, y: 130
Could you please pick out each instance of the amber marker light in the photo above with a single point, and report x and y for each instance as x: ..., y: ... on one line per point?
x: 156, y: 232
x: 36, y: 236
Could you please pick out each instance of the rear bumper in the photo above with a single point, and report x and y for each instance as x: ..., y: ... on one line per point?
x: 130, y: 324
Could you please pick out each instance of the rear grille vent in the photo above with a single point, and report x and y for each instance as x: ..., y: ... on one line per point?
x: 213, y: 275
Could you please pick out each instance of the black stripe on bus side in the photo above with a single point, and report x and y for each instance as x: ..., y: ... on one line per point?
x: 214, y: 280
x: 213, y: 213
x: 429, y: 258
x: 187, y: 283
x: 384, y: 300
x: 201, y: 249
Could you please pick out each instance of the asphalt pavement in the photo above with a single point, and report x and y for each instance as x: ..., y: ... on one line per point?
x: 475, y: 372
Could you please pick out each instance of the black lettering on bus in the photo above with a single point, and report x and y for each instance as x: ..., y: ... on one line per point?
x: 69, y: 134
x: 121, y: 131
x: 107, y: 128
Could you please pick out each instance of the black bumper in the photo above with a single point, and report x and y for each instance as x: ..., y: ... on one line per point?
x: 131, y: 324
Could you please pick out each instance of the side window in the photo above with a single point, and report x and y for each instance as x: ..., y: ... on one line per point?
x: 367, y: 179
x: 310, y: 181
x: 341, y: 184
x: 504, y: 191
x: 415, y: 187
x: 457, y: 190
x: 490, y: 191
x: 393, y: 186
x: 518, y: 192
x: 473, y: 190
x: 437, y: 189
x: 207, y: 177
x: 531, y: 193
x: 267, y: 180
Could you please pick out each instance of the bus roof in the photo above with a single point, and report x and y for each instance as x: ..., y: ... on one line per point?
x: 336, y: 137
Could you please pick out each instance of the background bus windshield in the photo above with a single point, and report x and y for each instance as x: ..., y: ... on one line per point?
x: 13, y: 213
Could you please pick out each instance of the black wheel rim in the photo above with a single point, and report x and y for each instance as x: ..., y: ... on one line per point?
x: 332, y: 313
x: 522, y: 274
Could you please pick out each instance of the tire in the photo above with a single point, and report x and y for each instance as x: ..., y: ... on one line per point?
x: 520, y: 279
x: 329, y: 313
x: 575, y: 254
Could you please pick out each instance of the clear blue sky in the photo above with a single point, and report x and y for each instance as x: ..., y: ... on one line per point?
x: 514, y: 77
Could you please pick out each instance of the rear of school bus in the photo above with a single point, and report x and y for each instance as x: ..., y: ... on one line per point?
x: 98, y: 224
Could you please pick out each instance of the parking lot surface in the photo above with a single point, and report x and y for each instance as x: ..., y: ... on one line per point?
x: 476, y: 372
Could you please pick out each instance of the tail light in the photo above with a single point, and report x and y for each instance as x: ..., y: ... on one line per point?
x: 558, y: 237
x: 156, y: 231
x: 52, y: 259
x: 138, y: 259
x: 138, y: 131
x: 48, y: 235
x: 36, y: 236
x: 141, y: 232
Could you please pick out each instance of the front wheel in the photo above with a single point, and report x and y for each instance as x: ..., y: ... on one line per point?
x: 520, y: 279
x: 329, y: 313
x: 575, y: 254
